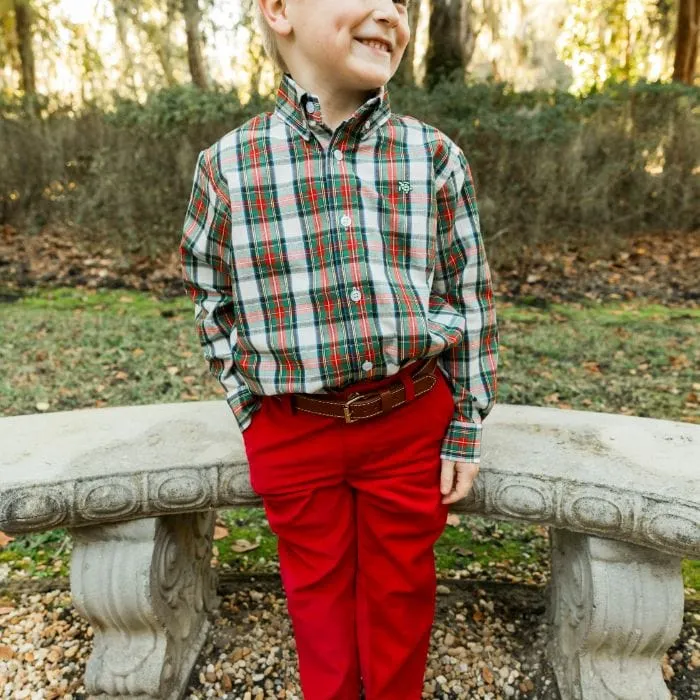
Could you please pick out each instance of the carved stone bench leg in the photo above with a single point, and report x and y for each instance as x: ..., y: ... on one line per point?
x: 615, y: 609
x: 146, y: 587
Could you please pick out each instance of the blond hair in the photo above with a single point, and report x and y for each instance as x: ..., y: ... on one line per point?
x: 268, y: 39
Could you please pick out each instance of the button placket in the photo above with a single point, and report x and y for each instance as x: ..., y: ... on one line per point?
x: 344, y: 220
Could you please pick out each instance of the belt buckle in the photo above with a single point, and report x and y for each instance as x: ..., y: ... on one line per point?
x: 356, y: 396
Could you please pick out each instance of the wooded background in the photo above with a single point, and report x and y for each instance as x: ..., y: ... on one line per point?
x: 88, y: 49
x: 580, y: 118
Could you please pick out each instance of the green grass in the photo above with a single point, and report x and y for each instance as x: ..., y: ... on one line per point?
x: 248, y: 524
x: 65, y: 349
x: 74, y: 349
x: 632, y: 359
x: 41, y: 555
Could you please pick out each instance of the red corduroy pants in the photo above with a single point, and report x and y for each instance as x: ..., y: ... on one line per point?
x: 357, y: 509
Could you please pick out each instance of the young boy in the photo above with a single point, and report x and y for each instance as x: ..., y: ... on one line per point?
x: 343, y: 300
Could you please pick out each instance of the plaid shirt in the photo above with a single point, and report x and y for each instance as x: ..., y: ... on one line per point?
x: 319, y: 258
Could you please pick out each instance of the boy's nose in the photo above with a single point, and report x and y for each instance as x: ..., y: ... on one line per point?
x: 385, y: 11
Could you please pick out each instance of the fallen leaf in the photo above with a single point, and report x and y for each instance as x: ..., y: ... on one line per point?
x: 487, y: 675
x: 244, y: 546
x: 43, y: 406
x: 5, y: 539
x: 6, y: 653
x: 453, y: 520
x: 679, y: 361
x: 226, y: 683
x: 220, y: 532
x: 121, y: 376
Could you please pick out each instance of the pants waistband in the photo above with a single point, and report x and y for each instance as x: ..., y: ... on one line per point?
x: 377, y: 384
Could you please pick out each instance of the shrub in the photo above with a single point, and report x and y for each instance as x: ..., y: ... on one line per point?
x: 547, y: 164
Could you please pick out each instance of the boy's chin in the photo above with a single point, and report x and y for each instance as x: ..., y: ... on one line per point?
x: 370, y: 79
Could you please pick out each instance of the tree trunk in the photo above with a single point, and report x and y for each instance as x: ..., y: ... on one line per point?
x: 23, y: 19
x: 686, y: 41
x: 193, y: 17
x: 122, y: 34
x: 163, y: 49
x: 405, y: 75
x: 157, y: 35
x: 450, y: 41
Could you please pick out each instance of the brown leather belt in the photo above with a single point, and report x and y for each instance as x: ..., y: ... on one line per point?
x: 361, y: 405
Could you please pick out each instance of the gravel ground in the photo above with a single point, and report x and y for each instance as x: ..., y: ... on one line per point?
x: 488, y: 642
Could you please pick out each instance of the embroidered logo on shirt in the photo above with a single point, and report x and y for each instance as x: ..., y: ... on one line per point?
x: 405, y: 186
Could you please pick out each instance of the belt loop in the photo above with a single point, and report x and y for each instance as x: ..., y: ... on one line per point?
x: 409, y: 389
x: 288, y: 403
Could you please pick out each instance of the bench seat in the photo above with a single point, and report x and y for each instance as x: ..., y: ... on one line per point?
x: 137, y: 487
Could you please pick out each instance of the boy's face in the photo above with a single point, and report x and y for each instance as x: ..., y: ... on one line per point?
x: 332, y: 40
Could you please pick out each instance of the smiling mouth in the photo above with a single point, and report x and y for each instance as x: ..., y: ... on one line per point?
x: 382, y: 46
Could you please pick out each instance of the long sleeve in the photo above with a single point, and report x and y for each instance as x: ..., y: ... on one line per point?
x: 462, y: 300
x: 205, y: 259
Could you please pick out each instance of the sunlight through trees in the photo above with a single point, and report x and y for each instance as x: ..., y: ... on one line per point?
x: 81, y: 51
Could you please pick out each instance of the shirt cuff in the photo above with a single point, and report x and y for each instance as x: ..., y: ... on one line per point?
x: 462, y: 442
x: 243, y: 404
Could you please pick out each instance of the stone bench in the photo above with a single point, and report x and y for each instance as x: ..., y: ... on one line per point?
x: 137, y: 488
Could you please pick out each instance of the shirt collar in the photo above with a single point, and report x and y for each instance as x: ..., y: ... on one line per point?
x: 302, y: 110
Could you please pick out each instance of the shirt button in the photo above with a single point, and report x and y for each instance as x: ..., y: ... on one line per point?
x: 367, y: 365
x: 310, y: 107
x: 356, y: 294
x: 366, y: 126
x: 338, y: 154
x: 345, y: 221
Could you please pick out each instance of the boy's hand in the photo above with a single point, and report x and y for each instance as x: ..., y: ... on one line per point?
x: 466, y: 473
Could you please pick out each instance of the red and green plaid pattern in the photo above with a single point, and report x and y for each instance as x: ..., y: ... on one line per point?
x: 316, y: 259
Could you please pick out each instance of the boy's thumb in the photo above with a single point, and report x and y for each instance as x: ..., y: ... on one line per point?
x: 447, y: 476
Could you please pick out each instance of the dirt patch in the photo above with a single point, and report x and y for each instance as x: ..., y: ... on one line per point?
x: 662, y: 267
